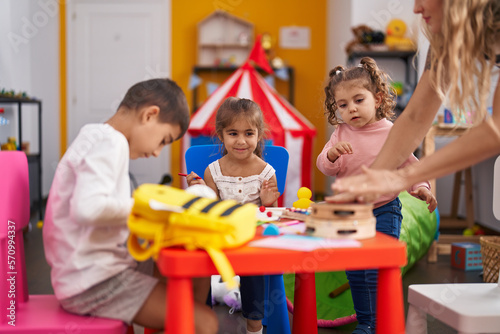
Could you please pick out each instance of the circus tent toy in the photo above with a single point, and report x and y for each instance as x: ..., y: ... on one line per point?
x: 346, y: 221
x: 287, y: 126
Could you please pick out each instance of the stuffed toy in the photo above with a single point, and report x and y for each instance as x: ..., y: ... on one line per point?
x: 395, y: 40
x: 222, y: 295
x: 365, y: 38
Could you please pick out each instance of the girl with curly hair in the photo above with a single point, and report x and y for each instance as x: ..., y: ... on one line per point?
x: 359, y: 103
x: 464, y: 54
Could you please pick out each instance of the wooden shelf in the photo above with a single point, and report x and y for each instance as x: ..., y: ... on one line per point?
x: 223, y: 45
x: 382, y: 54
x: 443, y: 247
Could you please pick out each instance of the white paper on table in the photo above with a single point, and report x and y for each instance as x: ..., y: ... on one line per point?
x: 275, y: 214
x: 303, y: 243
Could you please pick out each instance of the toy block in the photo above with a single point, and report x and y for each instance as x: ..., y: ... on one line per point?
x: 466, y: 256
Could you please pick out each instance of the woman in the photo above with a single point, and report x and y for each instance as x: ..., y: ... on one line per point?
x: 464, y: 49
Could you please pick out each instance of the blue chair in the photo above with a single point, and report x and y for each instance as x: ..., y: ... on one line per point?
x: 198, y: 158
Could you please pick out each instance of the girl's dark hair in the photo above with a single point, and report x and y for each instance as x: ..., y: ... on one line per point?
x: 165, y: 94
x: 372, y: 79
x: 234, y: 107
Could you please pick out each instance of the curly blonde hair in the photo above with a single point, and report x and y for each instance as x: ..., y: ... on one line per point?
x: 371, y: 78
x: 462, y: 56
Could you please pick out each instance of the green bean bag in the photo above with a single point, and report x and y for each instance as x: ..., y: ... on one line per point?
x: 418, y: 230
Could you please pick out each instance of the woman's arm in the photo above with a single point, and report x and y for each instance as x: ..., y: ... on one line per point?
x: 478, y: 144
x: 411, y: 126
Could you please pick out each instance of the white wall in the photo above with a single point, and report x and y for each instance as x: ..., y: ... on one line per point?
x: 14, y: 58
x: 377, y: 13
x: 29, y: 62
x: 338, y: 35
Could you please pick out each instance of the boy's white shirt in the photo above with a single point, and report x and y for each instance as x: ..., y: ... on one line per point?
x: 85, y: 229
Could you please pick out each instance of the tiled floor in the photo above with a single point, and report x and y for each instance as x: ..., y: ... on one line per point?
x: 421, y: 272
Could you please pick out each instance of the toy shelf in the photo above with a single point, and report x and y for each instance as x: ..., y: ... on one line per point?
x: 34, y: 159
x: 406, y: 56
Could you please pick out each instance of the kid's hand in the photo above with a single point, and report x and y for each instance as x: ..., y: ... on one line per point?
x: 269, y: 193
x: 193, y: 178
x: 340, y: 148
x: 426, y: 195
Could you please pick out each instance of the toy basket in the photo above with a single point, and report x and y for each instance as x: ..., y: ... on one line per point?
x: 490, y: 253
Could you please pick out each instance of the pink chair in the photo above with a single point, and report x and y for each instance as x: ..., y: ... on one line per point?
x: 20, y: 312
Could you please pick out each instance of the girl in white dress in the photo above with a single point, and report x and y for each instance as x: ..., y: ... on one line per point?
x: 242, y: 175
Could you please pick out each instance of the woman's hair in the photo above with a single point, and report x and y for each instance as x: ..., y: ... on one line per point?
x: 163, y: 93
x: 371, y: 78
x: 462, y: 55
x: 231, y: 109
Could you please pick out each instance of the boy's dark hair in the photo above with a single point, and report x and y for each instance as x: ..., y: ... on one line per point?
x: 165, y: 94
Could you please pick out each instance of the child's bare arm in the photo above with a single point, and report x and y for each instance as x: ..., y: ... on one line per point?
x: 209, y: 181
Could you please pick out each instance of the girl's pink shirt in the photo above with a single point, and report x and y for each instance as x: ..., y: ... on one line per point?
x: 366, y: 143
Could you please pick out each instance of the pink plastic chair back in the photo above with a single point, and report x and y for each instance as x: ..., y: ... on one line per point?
x: 41, y: 313
x: 14, y: 217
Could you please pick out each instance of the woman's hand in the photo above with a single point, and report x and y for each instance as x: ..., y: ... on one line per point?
x: 427, y: 196
x: 368, y: 186
x: 269, y: 193
x: 193, y: 178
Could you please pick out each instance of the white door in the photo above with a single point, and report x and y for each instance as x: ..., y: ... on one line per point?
x: 113, y: 44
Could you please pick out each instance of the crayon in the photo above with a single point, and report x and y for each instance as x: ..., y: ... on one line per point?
x: 183, y: 174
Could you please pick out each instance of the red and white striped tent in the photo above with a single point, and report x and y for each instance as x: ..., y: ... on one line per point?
x: 287, y: 127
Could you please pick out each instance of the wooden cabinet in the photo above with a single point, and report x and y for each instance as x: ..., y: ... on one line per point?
x: 224, y: 39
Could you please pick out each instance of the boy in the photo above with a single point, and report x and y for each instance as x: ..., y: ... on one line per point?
x: 85, y: 229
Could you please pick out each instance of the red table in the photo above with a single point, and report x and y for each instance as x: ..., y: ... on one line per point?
x: 382, y: 252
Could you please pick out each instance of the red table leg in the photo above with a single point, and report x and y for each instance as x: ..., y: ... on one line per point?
x: 180, y: 306
x: 304, y: 316
x: 390, y: 309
